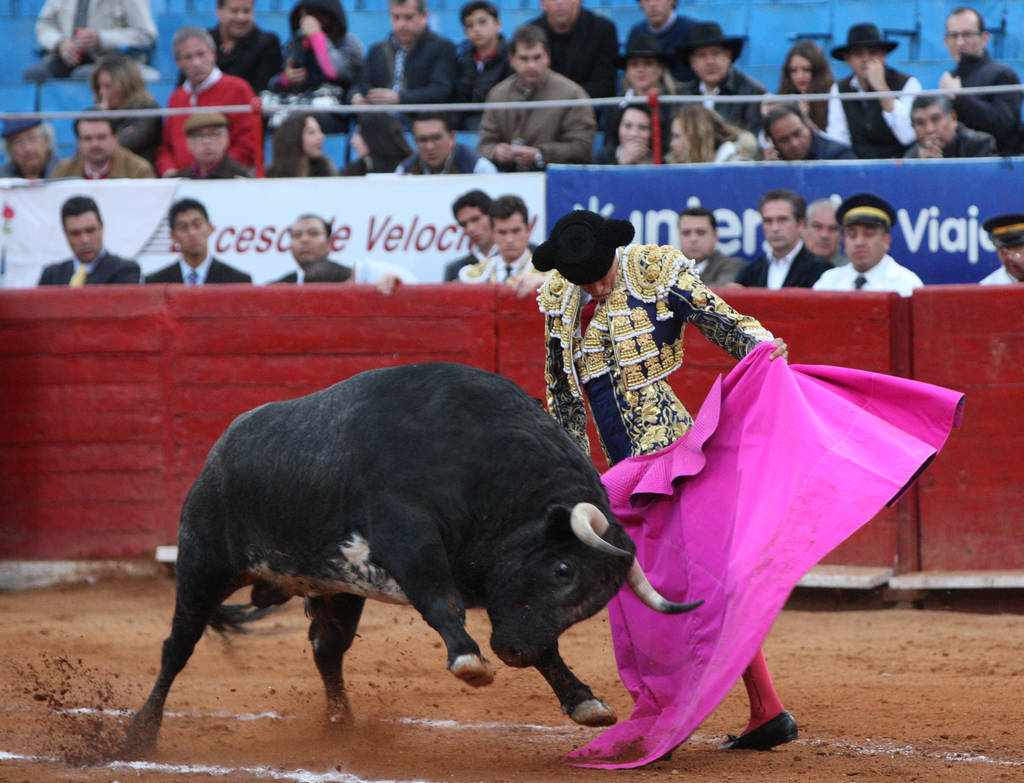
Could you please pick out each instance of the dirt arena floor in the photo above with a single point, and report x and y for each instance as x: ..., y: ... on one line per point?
x: 886, y: 694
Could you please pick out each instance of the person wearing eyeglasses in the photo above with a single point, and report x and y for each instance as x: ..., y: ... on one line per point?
x: 1007, y: 234
x: 994, y: 113
x: 437, y: 151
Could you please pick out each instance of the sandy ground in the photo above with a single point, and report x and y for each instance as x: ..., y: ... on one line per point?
x: 887, y: 694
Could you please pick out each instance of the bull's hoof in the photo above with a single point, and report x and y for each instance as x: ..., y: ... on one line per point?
x: 472, y: 670
x: 593, y: 712
x: 136, y: 744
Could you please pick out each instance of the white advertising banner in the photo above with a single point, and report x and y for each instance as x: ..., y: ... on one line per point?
x: 401, y: 220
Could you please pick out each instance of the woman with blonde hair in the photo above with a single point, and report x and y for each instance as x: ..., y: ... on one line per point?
x: 117, y: 84
x: 700, y: 135
x: 298, y: 149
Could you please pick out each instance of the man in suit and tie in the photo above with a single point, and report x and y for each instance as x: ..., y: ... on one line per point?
x: 191, y: 230
x: 90, y: 263
x: 698, y: 239
x: 787, y: 263
x: 472, y: 212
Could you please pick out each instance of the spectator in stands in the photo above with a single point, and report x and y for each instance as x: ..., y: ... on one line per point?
x: 995, y: 113
x: 582, y: 45
x: 875, y: 128
x: 698, y: 239
x: 483, y: 58
x: 90, y: 263
x: 322, y: 63
x: 712, y: 56
x: 437, y: 151
x: 529, y: 140
x: 29, y: 148
x: 787, y: 262
x: 867, y: 220
x: 940, y: 135
x: 117, y: 84
x: 100, y: 156
x: 380, y: 145
x: 822, y: 235
x: 204, y: 85
x: 645, y: 67
x: 1007, y: 234
x: 700, y: 135
x: 75, y: 33
x: 207, y: 139
x: 792, y: 137
x: 298, y: 149
x: 243, y: 49
x: 311, y: 243
x: 672, y: 31
x: 633, y: 139
x: 806, y: 71
x: 510, y: 225
x: 413, y: 65
x: 471, y: 212
x: 191, y: 230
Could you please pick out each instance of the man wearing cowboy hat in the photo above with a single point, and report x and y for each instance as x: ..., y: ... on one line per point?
x: 671, y: 30
x: 866, y: 220
x: 712, y: 56
x: 1007, y: 234
x: 875, y: 128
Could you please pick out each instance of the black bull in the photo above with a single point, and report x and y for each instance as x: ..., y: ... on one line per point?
x: 437, y: 485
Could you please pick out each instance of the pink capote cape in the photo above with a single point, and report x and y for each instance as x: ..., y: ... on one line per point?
x: 783, y: 463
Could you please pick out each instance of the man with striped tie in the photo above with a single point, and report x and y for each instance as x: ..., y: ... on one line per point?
x: 191, y: 231
x: 867, y: 220
x: 90, y: 263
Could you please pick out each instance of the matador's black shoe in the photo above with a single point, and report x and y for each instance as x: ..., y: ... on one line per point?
x: 777, y: 731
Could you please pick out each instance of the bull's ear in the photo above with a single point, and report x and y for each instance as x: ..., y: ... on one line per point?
x: 557, y: 525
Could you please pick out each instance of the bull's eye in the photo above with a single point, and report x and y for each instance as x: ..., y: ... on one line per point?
x: 563, y: 572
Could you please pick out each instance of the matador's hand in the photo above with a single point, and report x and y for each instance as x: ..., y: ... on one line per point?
x: 781, y: 349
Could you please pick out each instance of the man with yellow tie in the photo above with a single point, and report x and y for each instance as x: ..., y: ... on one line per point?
x: 90, y: 263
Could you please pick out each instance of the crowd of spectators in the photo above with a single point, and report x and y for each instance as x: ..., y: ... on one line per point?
x: 566, y: 52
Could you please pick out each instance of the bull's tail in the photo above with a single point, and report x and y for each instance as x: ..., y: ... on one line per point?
x: 234, y: 618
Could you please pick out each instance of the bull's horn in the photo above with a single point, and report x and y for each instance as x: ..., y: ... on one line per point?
x: 637, y: 580
x: 588, y: 523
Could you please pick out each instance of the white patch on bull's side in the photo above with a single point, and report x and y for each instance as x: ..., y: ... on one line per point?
x: 353, y: 572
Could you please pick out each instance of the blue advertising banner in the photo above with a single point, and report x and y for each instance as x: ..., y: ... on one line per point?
x: 940, y: 204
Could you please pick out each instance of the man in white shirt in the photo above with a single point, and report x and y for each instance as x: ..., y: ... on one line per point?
x: 866, y: 220
x: 787, y: 264
x: 1007, y: 234
x: 874, y: 127
x: 311, y: 243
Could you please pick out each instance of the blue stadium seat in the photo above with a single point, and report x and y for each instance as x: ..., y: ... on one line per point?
x: 161, y: 90
x: 64, y: 95
x: 18, y: 96
x: 19, y: 41
x: 773, y: 27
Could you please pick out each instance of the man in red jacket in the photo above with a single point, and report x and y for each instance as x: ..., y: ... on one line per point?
x: 204, y: 85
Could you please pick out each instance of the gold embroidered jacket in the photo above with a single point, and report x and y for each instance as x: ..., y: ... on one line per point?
x: 633, y: 343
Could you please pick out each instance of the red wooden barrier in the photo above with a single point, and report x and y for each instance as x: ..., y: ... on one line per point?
x: 107, y: 419
x: 972, y: 497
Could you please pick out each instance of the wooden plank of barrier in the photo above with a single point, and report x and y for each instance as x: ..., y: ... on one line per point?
x: 81, y: 447
x: 971, y: 338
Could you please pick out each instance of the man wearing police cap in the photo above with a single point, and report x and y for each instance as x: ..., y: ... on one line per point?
x: 867, y: 220
x: 1007, y: 233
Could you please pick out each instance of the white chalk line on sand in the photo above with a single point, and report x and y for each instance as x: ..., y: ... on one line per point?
x: 333, y: 776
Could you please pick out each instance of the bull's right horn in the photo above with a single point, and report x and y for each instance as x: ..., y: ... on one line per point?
x: 588, y: 523
x: 644, y: 590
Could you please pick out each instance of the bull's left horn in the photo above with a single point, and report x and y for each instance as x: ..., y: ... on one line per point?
x: 588, y: 523
x: 644, y: 590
